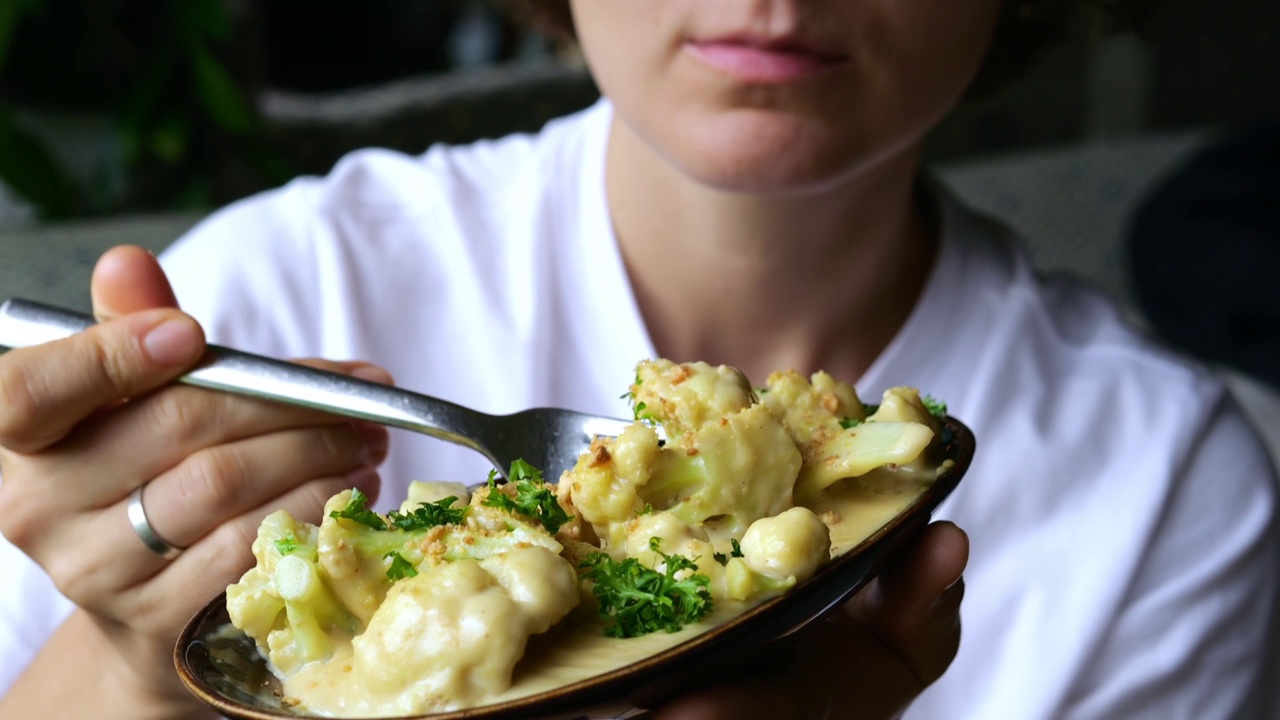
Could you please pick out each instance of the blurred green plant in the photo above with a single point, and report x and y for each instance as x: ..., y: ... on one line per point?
x: 156, y: 70
x: 26, y: 165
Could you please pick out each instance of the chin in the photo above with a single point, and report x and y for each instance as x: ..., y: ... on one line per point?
x: 767, y: 153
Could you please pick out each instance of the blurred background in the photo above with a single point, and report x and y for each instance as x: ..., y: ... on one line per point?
x: 139, y: 106
x: 129, y: 120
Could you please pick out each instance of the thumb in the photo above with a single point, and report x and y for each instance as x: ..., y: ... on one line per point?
x: 127, y: 279
x: 914, y: 605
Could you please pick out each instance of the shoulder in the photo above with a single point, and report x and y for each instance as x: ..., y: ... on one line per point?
x: 1084, y: 418
x: 375, y: 185
x: 1118, y: 494
x: 1063, y: 333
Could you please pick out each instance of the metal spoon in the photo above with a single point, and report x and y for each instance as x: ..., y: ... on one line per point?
x: 550, y: 439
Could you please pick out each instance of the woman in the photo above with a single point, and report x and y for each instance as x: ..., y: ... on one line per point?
x: 748, y: 194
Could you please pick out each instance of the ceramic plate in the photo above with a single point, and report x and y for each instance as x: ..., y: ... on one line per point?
x: 221, y: 666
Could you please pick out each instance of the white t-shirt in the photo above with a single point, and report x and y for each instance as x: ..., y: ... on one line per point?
x: 1122, y: 513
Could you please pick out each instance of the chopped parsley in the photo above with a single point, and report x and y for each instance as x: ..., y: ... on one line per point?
x: 532, y: 497
x: 847, y: 423
x: 724, y: 559
x: 357, y: 510
x: 287, y: 544
x: 637, y: 600
x: 642, y: 416
x: 428, y: 515
x: 638, y: 408
x: 399, y: 568
x: 935, y: 407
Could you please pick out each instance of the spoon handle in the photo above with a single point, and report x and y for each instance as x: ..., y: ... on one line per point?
x: 24, y: 323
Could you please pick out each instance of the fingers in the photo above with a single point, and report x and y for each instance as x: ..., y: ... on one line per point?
x: 128, y: 279
x: 237, y: 482
x: 226, y: 481
x: 47, y: 389
x: 203, y: 572
x: 914, y: 582
x: 153, y: 434
x: 797, y: 682
x: 765, y: 696
x: 210, y: 457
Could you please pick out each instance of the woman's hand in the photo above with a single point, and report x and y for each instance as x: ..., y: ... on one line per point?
x: 85, y: 421
x: 868, y: 660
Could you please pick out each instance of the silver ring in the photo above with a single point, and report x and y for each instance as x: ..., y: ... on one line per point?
x: 147, y: 534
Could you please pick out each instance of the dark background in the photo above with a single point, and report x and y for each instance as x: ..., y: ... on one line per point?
x: 126, y: 106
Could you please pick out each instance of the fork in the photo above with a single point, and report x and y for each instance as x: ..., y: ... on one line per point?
x: 550, y: 439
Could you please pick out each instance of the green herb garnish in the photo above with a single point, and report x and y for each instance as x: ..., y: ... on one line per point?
x: 935, y: 407
x: 357, y: 511
x: 847, y: 423
x: 428, y: 515
x: 400, y: 568
x: 533, y: 498
x: 724, y: 559
x: 637, y: 600
x: 287, y: 544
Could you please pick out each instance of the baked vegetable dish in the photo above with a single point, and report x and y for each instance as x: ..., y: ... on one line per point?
x: 461, y: 599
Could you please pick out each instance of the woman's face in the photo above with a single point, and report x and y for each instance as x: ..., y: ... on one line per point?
x: 782, y: 95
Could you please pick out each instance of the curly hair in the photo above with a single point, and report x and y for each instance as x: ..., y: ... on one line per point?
x: 1024, y: 29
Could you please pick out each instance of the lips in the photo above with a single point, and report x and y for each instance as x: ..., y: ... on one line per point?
x: 764, y: 60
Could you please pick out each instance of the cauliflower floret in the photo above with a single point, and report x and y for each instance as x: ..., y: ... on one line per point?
x: 811, y: 410
x: 313, y: 584
x: 357, y: 572
x: 684, y: 397
x: 901, y: 434
x: 904, y: 404
x: 603, y: 486
x: 424, y: 491
x: 282, y: 602
x: 678, y: 538
x: 314, y: 616
x: 859, y: 450
x: 791, y: 544
x: 723, y: 476
x: 776, y: 553
x: 675, y: 538
x: 734, y: 471
x: 727, y: 460
x: 451, y: 636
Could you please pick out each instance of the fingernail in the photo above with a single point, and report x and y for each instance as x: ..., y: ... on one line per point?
x: 945, y: 594
x: 366, y: 479
x: 376, y: 441
x: 373, y: 373
x: 173, y: 342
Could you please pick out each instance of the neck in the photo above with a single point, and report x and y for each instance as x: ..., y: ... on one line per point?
x: 811, y: 280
